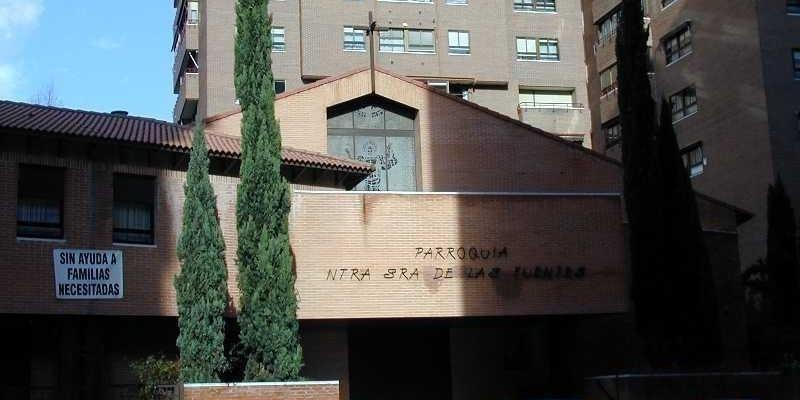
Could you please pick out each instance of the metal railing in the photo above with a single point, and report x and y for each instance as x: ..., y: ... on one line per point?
x: 564, y: 106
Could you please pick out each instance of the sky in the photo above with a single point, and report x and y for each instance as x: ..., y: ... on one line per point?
x: 96, y: 55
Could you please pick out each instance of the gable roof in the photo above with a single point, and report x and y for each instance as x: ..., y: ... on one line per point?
x: 57, y: 121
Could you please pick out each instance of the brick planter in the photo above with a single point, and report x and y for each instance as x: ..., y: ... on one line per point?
x: 316, y: 390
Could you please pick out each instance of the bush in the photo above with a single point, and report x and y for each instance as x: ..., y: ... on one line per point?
x: 153, y: 372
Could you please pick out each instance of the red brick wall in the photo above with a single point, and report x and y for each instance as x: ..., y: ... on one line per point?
x: 263, y: 391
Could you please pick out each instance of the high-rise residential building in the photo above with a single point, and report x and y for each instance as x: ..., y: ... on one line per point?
x: 522, y: 58
x: 730, y: 71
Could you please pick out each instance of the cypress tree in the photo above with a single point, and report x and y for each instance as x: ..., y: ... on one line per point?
x: 643, y: 196
x: 202, y: 294
x: 672, y: 286
x: 689, y: 296
x: 782, y: 261
x: 267, y: 315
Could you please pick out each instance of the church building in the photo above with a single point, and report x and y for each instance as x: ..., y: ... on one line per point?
x: 441, y: 250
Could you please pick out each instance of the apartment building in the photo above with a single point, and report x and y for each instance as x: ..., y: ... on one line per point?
x: 522, y: 58
x: 730, y: 71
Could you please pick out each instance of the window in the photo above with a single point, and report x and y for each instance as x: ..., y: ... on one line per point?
x: 134, y: 197
x: 439, y: 86
x: 547, y: 98
x: 612, y: 131
x: 40, y: 202
x: 693, y: 159
x: 532, y: 49
x: 793, y: 6
x: 391, y: 41
x: 458, y: 42
x: 193, y: 13
x: 684, y: 103
x: 354, y: 39
x: 665, y: 3
x: 456, y: 2
x: 608, y: 80
x: 607, y: 27
x: 796, y: 62
x: 278, y: 39
x: 420, y: 41
x: 678, y: 44
x: 535, y: 5
x: 280, y: 86
x: 379, y: 133
x: 409, y: 40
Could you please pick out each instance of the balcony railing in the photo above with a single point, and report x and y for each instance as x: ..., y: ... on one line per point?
x: 566, y: 106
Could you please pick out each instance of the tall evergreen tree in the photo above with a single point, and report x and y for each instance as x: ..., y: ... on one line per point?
x: 202, y: 294
x: 782, y: 253
x: 267, y: 316
x: 690, y: 302
x: 643, y: 196
x: 672, y: 287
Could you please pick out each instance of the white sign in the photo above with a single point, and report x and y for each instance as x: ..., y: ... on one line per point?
x: 88, y: 274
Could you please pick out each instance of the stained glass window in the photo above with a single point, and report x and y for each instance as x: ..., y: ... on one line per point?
x: 378, y: 133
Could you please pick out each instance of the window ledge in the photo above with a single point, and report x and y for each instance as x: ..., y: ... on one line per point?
x: 535, y: 12
x: 679, y: 59
x: 424, y: 53
x: 456, y: 4
x: 458, y: 54
x: 45, y: 240
x: 551, y: 108
x: 683, y: 118
x: 540, y: 61
x: 279, y: 51
x: 405, y: 1
x: 355, y: 50
x: 146, y: 246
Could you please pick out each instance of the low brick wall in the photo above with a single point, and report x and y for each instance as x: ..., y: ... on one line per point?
x: 319, y: 390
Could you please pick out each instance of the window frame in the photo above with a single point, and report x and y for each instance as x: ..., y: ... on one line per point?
x: 42, y: 169
x: 683, y: 48
x: 614, y: 16
x: 405, y: 37
x: 456, y: 2
x: 353, y: 31
x: 536, y: 56
x: 609, y: 126
x: 460, y: 50
x: 572, y: 105
x: 793, y: 7
x: 282, y: 45
x: 683, y: 109
x: 613, y: 85
x: 796, y: 63
x: 537, y: 6
x: 698, y: 167
x: 151, y: 232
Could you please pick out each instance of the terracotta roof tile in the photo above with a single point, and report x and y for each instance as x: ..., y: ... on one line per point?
x: 146, y: 131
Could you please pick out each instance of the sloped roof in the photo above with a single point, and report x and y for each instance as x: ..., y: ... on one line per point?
x: 56, y: 121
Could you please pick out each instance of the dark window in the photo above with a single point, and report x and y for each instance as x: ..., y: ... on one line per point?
x: 607, y: 26
x: 796, y: 63
x: 40, y: 202
x: 678, y: 44
x: 793, y: 6
x: 665, y: 3
x: 693, y: 159
x: 684, y: 103
x: 612, y: 130
x: 535, y: 5
x: 280, y: 86
x: 608, y: 80
x: 134, y: 199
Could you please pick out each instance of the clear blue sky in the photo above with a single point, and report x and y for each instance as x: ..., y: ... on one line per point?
x: 97, y: 55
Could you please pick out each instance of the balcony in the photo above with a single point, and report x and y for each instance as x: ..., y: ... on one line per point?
x: 186, y: 46
x: 188, y: 96
x: 558, y: 118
